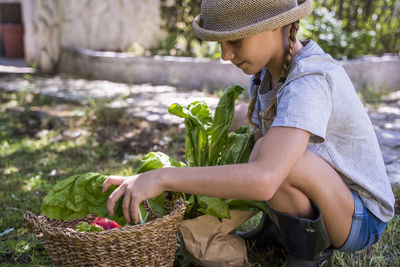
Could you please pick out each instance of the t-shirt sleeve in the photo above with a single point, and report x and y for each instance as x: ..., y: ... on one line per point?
x: 305, y: 103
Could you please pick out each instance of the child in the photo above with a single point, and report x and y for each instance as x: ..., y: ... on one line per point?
x: 316, y: 163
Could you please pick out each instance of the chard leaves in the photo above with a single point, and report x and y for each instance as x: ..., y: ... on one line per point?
x: 209, y: 143
x: 238, y: 147
x: 198, y: 123
x: 221, y: 123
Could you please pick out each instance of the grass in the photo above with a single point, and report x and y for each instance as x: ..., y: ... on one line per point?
x: 36, y: 151
x: 33, y: 157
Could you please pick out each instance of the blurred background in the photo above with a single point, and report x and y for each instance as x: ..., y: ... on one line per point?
x: 346, y: 29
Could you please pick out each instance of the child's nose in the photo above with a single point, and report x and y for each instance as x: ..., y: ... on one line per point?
x: 226, y: 52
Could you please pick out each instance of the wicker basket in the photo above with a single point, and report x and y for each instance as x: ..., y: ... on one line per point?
x: 151, y: 244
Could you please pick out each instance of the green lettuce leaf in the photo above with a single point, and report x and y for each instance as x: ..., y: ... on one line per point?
x: 153, y: 161
x: 214, y: 206
x: 157, y: 160
x: 77, y: 196
x: 156, y: 205
x: 85, y: 227
x: 245, y: 204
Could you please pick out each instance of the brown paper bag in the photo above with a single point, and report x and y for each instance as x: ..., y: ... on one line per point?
x: 209, y: 242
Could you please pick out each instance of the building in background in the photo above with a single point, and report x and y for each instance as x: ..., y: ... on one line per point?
x: 11, y: 28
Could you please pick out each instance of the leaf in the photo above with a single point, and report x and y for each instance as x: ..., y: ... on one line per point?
x: 214, y: 206
x: 208, y: 142
x: 156, y: 205
x: 77, y: 196
x: 198, y: 123
x: 221, y: 123
x: 85, y: 227
x: 239, y: 146
x: 244, y: 204
x: 153, y: 161
x: 157, y: 160
x: 178, y: 110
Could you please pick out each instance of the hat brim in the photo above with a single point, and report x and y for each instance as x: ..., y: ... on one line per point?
x: 303, y: 9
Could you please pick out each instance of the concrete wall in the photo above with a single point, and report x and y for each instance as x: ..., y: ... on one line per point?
x: 192, y: 73
x: 374, y: 72
x: 94, y: 24
x: 109, y: 24
x: 42, y: 33
x: 382, y: 73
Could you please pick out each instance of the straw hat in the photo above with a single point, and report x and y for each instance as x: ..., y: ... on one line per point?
x: 222, y: 20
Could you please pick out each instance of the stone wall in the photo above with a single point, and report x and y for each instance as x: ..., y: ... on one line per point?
x: 373, y: 73
x: 93, y: 24
x: 109, y: 24
x: 42, y: 33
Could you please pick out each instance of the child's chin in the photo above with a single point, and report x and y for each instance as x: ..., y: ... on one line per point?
x: 249, y: 71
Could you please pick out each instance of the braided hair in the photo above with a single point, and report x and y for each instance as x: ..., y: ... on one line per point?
x: 270, y: 113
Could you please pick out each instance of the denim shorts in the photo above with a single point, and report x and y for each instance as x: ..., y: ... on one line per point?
x: 365, y: 229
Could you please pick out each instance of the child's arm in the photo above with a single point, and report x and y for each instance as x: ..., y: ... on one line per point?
x: 277, y: 153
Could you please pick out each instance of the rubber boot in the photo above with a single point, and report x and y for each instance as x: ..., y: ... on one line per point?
x: 306, y: 241
x: 264, y: 235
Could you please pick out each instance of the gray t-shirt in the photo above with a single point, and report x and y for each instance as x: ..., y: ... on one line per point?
x: 319, y: 97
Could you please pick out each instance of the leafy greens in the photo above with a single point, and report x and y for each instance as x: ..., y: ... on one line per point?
x: 208, y: 143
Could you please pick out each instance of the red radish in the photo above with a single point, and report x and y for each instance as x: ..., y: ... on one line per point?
x: 105, y: 223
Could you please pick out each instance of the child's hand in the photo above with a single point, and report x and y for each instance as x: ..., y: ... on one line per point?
x: 135, y: 188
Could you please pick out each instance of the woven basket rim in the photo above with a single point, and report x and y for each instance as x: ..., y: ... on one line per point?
x: 42, y: 219
x: 66, y: 246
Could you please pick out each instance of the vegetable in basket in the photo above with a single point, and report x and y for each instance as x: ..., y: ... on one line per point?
x: 105, y: 223
x: 85, y: 227
x: 80, y: 195
x: 99, y: 224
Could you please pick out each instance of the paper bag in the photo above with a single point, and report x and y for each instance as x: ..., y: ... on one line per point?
x: 209, y: 242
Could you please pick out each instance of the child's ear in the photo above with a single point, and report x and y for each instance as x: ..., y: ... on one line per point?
x: 279, y: 29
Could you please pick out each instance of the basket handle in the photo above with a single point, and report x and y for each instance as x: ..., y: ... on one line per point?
x: 32, y: 221
x: 35, y: 223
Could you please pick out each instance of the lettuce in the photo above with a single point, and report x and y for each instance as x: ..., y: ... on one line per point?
x: 157, y: 160
x: 77, y: 196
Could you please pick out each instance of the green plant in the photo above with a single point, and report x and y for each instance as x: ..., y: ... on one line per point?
x: 349, y: 29
x: 344, y: 29
x: 177, y: 17
x: 208, y: 143
x: 371, y: 94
